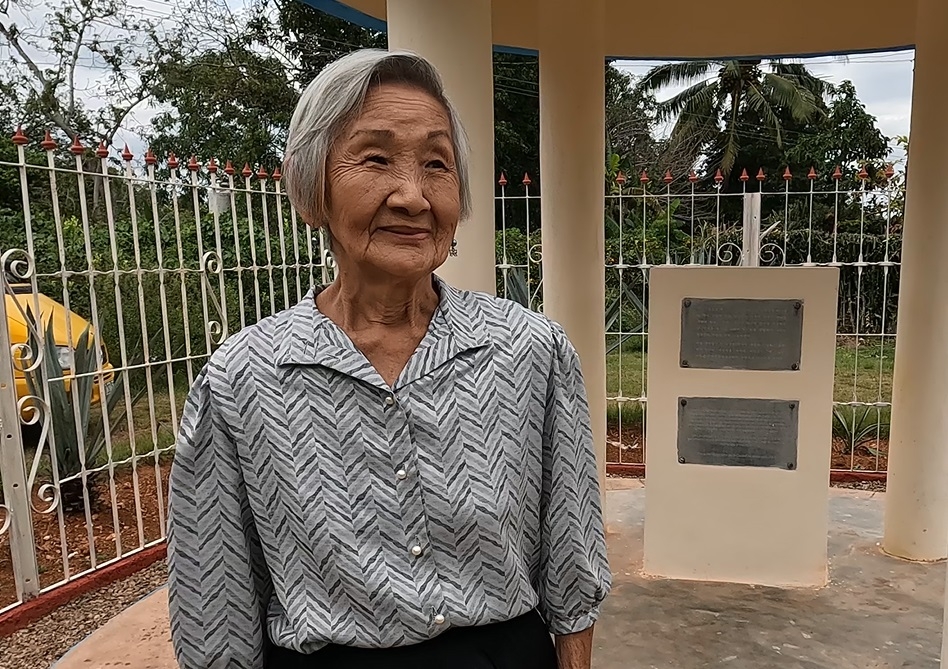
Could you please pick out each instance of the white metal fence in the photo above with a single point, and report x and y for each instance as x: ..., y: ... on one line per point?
x: 139, y: 268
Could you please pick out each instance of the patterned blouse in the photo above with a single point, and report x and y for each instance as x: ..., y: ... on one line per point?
x: 311, y: 503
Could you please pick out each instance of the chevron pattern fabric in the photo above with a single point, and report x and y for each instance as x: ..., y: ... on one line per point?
x: 311, y: 503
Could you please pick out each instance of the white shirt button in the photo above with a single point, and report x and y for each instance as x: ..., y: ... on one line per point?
x: 401, y: 474
x: 439, y: 619
x: 416, y: 550
x: 389, y: 401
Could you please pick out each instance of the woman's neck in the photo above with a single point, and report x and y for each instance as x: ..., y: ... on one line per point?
x: 357, y: 303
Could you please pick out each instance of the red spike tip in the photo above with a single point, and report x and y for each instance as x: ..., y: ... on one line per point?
x: 718, y: 177
x: 102, y: 151
x: 277, y: 175
x: 692, y: 177
x: 526, y: 179
x: 247, y: 172
x: 787, y: 175
x: 668, y: 178
x: 620, y: 178
x: 126, y: 154
x: 643, y: 178
x: 229, y: 169
x: 77, y: 147
x: 889, y: 171
x: 863, y: 174
x: 502, y: 181
x: 837, y: 173
x: 262, y: 173
x: 193, y: 164
x: 173, y: 161
x: 811, y: 175
x: 48, y: 143
x: 150, y: 158
x: 745, y: 177
x: 212, y: 166
x: 760, y: 175
x: 18, y: 137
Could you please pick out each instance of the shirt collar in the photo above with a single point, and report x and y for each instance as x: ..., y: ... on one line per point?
x: 305, y: 337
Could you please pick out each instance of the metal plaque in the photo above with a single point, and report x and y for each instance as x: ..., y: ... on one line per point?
x: 737, y: 432
x: 759, y: 335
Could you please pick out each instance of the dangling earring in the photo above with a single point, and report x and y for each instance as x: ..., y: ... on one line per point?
x: 454, y: 247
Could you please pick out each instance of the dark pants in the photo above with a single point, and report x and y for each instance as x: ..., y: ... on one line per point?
x: 521, y: 643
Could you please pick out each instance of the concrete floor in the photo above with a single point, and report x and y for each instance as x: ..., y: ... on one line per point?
x: 877, y: 612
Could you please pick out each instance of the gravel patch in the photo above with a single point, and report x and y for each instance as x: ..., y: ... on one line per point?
x: 51, y: 637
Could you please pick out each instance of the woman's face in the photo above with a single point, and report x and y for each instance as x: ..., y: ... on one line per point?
x: 394, y: 192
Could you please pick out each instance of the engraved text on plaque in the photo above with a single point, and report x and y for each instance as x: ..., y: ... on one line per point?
x: 737, y: 432
x: 760, y: 335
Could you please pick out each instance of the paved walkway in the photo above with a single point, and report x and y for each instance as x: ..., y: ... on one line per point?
x: 877, y: 612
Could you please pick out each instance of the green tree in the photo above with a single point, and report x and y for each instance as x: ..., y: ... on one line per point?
x: 709, y: 111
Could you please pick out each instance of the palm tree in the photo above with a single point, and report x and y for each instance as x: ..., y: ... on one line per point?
x: 711, y: 109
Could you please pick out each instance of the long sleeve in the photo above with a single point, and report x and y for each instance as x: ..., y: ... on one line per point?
x: 574, y: 571
x: 217, y: 585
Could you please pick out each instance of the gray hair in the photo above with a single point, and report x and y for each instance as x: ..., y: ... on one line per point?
x: 333, y: 99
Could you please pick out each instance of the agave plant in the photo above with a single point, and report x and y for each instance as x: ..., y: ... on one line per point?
x: 79, y: 442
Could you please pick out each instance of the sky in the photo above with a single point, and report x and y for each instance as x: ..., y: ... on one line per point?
x: 883, y: 81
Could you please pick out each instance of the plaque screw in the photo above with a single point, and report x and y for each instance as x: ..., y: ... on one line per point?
x: 792, y: 406
x: 684, y: 403
x: 684, y: 363
x: 797, y: 305
x: 681, y: 460
x: 687, y: 303
x: 794, y: 366
x: 790, y: 465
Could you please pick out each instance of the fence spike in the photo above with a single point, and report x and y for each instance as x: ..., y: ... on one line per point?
x: 277, y: 174
x: 173, y: 161
x: 787, y: 175
x: 262, y: 173
x: 863, y: 174
x: 811, y: 175
x: 502, y: 180
x: 126, y: 154
x: 668, y: 178
x: 889, y: 171
x: 692, y: 177
x: 837, y: 173
x: 102, y: 151
x: 18, y: 137
x: 247, y: 172
x: 48, y: 143
x: 150, y: 158
x: 643, y: 178
x: 77, y: 148
x: 760, y: 175
x: 212, y: 166
x: 229, y: 169
x: 620, y: 178
x: 526, y: 179
x: 193, y: 165
x: 718, y: 177
x: 745, y: 177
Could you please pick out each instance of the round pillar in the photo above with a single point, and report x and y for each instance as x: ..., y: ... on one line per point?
x: 572, y: 159
x: 456, y: 37
x: 916, y: 506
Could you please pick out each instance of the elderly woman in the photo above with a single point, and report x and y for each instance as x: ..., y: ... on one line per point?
x: 394, y: 472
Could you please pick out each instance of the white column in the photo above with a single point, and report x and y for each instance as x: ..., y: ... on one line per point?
x: 916, y: 512
x: 572, y: 159
x: 456, y: 37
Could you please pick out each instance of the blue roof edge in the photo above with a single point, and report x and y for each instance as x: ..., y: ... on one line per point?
x: 343, y: 11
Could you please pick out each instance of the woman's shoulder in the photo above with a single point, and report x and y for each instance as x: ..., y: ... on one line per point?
x: 510, y: 321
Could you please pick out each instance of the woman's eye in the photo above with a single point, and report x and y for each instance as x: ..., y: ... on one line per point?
x: 378, y: 160
x: 437, y: 164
